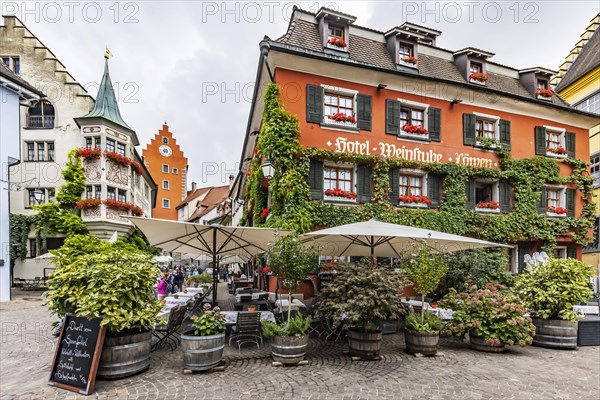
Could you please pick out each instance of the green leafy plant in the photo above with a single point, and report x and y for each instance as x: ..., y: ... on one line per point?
x: 19, y: 226
x: 201, y: 279
x: 297, y: 325
x: 426, y: 322
x: 211, y: 322
x: 292, y: 263
x: 426, y: 267
x: 114, y: 285
x: 362, y: 297
x: 487, y: 143
x: 551, y: 289
x: 493, y: 313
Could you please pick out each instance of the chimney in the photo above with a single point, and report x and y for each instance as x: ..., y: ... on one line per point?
x: 193, y: 187
x: 230, y: 181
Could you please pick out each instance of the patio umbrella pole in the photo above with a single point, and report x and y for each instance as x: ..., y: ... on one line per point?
x: 214, y: 254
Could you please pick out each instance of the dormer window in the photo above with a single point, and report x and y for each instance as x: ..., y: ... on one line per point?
x: 336, y: 37
x: 475, y: 68
x: 476, y: 73
x: 542, y: 91
x: 407, y: 54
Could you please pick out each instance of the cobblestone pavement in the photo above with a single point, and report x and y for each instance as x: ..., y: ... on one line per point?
x: 457, y: 373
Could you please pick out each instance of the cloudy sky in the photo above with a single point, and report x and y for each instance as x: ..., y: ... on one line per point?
x: 193, y: 63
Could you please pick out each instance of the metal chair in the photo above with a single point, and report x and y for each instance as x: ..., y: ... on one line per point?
x: 244, y: 298
x: 247, y: 329
x: 167, y: 334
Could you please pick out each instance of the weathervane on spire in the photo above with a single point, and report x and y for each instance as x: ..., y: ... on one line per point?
x: 107, y: 53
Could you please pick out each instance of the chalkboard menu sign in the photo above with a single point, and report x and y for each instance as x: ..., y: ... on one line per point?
x: 77, y: 354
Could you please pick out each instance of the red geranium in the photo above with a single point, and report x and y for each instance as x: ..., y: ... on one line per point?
x: 118, y: 158
x: 479, y: 76
x: 558, y: 150
x: 341, y: 117
x: 337, y: 192
x: 89, y: 153
x: 124, y: 206
x: 415, y: 129
x: 410, y: 60
x: 490, y: 205
x: 87, y: 203
x: 544, y: 93
x: 557, y: 210
x: 337, y: 42
x: 264, y: 213
x: 417, y: 199
x: 137, y: 167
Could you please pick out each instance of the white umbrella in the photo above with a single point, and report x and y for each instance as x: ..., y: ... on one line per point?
x: 162, y: 259
x: 214, y: 240
x: 45, y: 256
x: 375, y: 238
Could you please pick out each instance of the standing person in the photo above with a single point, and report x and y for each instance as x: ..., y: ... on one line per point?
x: 163, y: 285
x: 179, y: 278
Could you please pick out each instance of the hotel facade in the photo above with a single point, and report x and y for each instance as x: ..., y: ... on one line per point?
x: 400, y: 129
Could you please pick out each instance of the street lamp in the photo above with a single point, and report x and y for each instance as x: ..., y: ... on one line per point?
x: 268, y: 169
x: 38, y: 195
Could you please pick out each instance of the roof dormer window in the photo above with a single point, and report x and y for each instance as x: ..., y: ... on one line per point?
x: 336, y: 37
x: 407, y: 54
x: 334, y: 27
x: 471, y: 62
x: 476, y: 73
x: 541, y: 89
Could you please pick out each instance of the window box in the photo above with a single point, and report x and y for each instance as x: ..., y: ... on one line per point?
x: 340, y: 195
x: 555, y: 215
x: 412, y: 205
x: 543, y: 93
x: 339, y: 108
x: 539, y: 97
x: 414, y: 131
x: 478, y: 77
x: 341, y: 120
x: 559, y: 152
x: 488, y: 207
x: 333, y: 46
x: 554, y: 211
x: 410, y: 62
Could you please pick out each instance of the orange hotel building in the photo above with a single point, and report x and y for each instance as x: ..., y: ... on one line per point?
x: 325, y: 64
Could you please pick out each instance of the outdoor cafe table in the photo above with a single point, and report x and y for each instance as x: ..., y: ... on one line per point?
x: 179, y: 301
x: 231, y: 316
x: 187, y: 295
x: 443, y: 313
x: 284, y: 304
x: 255, y: 295
x: 586, y: 309
x: 194, y: 291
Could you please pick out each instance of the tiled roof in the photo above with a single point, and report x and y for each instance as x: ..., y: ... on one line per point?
x: 588, y: 59
x: 305, y: 35
x: 8, y: 73
x: 215, y: 196
x: 192, y: 195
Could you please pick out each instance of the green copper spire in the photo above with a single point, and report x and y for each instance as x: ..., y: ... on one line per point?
x: 106, y: 103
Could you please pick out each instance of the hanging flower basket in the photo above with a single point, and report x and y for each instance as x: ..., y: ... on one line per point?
x: 88, y: 153
x: 337, y: 42
x: 479, y: 76
x: 410, y: 60
x: 414, y: 199
x: 488, y: 205
x: 341, y: 117
x: 558, y: 150
x: 337, y: 192
x: 415, y: 129
x: 547, y: 93
x: 85, y: 204
x: 557, y: 210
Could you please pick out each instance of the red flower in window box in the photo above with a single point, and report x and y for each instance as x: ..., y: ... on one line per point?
x: 479, y: 76
x: 544, y: 93
x: 557, y: 210
x: 341, y: 117
x: 337, y: 42
x: 414, y: 199
x: 88, y: 153
x: 488, y: 205
x: 84, y: 204
x: 124, y: 206
x: 415, y: 129
x: 264, y: 213
x: 119, y: 159
x: 337, y: 192
x: 410, y: 60
x: 558, y: 150
x: 137, y: 167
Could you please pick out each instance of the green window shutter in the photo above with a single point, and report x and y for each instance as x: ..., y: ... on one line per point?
x: 434, y: 189
x: 394, y: 185
x: 363, y: 194
x: 570, y: 143
x: 543, y: 204
x: 469, y: 129
x: 364, y: 110
x: 315, y: 179
x: 523, y: 250
x: 570, y: 202
x: 505, y: 134
x: 392, y: 117
x: 504, y: 190
x: 314, y: 103
x: 572, y: 252
x: 540, y: 141
x: 470, y: 189
x: 434, y: 124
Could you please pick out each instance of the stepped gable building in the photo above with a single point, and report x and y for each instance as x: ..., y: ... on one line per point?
x: 168, y: 165
x: 398, y: 95
x: 68, y: 118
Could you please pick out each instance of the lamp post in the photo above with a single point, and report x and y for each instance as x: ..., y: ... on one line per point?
x: 267, y: 169
x: 39, y: 195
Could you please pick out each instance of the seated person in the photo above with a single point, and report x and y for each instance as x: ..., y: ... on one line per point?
x: 243, y: 276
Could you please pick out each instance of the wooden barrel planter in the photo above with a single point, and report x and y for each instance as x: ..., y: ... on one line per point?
x: 124, y: 355
x: 555, y: 333
x: 202, y: 352
x: 478, y: 343
x: 289, y: 350
x: 364, y: 344
x: 425, y: 343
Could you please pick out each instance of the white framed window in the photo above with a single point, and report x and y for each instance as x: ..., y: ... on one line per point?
x: 555, y: 142
x: 175, y: 171
x: 487, y: 128
x: 40, y: 151
x: 165, y: 185
x: 111, y: 193
x: 556, y: 198
x: 595, y: 168
x: 339, y: 107
x: 166, y: 203
x: 413, y: 119
x: 339, y: 182
x: 110, y: 145
x: 487, y: 195
x: 165, y: 168
x: 13, y: 63
x: 476, y: 67
x: 559, y: 252
x: 336, y: 37
x: 407, y: 54
x: 48, y: 197
x: 93, y: 192
x: 412, y: 188
x: 122, y: 195
x: 121, y: 148
x: 591, y: 104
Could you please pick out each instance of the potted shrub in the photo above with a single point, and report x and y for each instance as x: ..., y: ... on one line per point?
x: 426, y: 268
x: 493, y: 317
x: 289, y: 340
x: 95, y: 279
x: 550, y: 290
x: 203, y: 279
x: 203, y: 345
x: 359, y: 300
x: 292, y: 263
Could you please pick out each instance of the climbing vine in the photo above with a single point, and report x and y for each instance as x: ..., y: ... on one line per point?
x: 292, y: 208
x: 19, y: 226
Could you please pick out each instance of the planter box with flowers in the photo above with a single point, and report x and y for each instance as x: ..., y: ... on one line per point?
x: 414, y: 201
x: 479, y: 77
x: 124, y: 206
x: 554, y: 211
x: 559, y: 152
x: 85, y: 204
x: 488, y: 207
x: 338, y: 194
x: 337, y: 44
x: 414, y: 131
x: 409, y: 62
x: 88, y: 154
x: 124, y: 161
x: 544, y: 94
x: 341, y: 120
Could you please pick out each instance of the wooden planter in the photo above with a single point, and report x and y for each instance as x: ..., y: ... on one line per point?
x: 478, y: 343
x: 363, y: 344
x: 125, y: 355
x: 555, y: 333
x: 289, y: 350
x: 425, y: 343
x: 202, y: 352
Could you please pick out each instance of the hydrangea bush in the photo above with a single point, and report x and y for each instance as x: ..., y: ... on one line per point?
x: 211, y: 322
